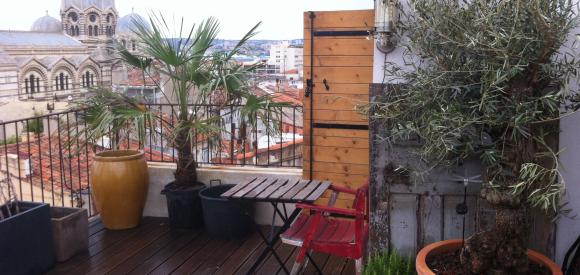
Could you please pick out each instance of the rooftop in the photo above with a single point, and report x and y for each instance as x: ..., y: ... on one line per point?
x: 26, y: 38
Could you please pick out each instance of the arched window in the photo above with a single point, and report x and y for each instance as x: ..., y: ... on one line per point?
x: 56, y: 83
x: 96, y: 30
x: 133, y: 45
x: 90, y: 31
x: 77, y: 32
x: 32, y: 84
x: 61, y: 81
x: 88, y: 79
x: 66, y: 82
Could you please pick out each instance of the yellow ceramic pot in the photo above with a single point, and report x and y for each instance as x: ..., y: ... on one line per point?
x: 119, y: 182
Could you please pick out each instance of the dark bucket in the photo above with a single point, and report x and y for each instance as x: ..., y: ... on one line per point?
x: 184, y: 206
x: 223, y: 218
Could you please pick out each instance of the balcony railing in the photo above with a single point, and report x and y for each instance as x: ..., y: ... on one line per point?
x: 46, y: 159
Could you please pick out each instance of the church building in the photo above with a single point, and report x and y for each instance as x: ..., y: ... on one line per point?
x: 61, y: 59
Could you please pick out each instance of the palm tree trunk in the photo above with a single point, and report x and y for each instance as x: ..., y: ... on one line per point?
x: 186, y: 173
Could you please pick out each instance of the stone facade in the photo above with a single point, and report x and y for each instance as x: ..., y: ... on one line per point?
x: 60, y: 59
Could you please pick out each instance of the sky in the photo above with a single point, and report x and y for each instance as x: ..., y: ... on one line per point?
x: 280, y: 19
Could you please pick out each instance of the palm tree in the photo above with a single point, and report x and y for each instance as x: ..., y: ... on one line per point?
x: 198, y: 77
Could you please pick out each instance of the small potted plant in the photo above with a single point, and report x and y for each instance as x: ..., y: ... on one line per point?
x: 488, y: 79
x: 198, y: 78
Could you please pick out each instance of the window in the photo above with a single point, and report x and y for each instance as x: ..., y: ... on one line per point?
x: 93, y: 17
x: 90, y: 31
x: 96, y: 31
x: 133, y: 45
x: 32, y: 84
x: 73, y: 17
x: 61, y: 82
x: 88, y: 79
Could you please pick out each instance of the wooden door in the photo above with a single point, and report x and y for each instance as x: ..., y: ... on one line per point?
x: 340, y: 64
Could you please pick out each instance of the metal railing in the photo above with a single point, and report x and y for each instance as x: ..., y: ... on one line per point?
x: 47, y: 160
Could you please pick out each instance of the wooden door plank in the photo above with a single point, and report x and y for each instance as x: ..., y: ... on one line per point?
x: 341, y: 75
x: 345, y: 60
x: 341, y: 19
x: 352, y: 46
x: 332, y: 167
x: 340, y: 142
x: 339, y: 155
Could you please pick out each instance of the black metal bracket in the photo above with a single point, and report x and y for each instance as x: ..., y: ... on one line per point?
x: 309, y: 87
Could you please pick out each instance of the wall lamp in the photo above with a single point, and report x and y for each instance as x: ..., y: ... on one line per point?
x: 385, y: 25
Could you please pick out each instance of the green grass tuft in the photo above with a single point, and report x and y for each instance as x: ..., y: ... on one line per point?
x: 389, y: 264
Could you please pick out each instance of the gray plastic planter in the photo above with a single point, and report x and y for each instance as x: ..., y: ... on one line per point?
x: 70, y: 231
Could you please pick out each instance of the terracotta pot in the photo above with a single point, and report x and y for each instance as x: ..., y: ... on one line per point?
x: 453, y: 245
x: 120, y: 180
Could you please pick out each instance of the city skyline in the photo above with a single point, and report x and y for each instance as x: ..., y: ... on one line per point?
x: 281, y: 20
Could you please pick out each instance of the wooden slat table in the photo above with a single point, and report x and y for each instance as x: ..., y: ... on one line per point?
x: 277, y: 191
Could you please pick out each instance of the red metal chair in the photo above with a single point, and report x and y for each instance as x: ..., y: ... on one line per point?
x: 328, y: 229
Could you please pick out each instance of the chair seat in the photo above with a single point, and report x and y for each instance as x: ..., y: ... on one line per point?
x: 330, y: 230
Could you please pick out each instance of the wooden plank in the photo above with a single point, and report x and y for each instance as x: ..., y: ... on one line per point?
x: 256, y: 191
x: 403, y: 224
x: 303, y: 194
x: 237, y: 188
x: 179, y: 257
x: 282, y: 190
x: 338, y: 155
x: 325, y: 132
x: 352, y: 46
x: 349, y: 181
x: 341, y: 19
x: 242, y: 254
x: 113, y: 255
x: 167, y: 241
x: 167, y: 252
x: 320, y: 189
x: 272, y: 188
x: 295, y: 190
x: 337, y: 102
x: 341, y: 142
x: 271, y: 265
x: 453, y: 222
x: 431, y: 219
x: 341, y: 88
x: 249, y: 187
x: 345, y: 60
x: 210, y: 254
x: 98, y: 243
x: 341, y: 75
x: 332, y: 167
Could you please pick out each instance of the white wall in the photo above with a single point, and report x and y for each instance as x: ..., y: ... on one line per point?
x: 161, y: 174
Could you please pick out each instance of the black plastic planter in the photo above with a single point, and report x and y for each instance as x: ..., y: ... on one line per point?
x: 224, y: 218
x: 26, y: 245
x: 184, y: 206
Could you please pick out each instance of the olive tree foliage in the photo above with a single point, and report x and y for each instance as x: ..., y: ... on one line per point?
x: 486, y: 78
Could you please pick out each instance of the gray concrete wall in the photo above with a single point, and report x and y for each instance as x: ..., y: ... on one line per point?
x: 161, y: 174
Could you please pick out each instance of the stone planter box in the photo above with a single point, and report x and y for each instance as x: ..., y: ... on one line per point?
x: 70, y: 231
x: 26, y: 245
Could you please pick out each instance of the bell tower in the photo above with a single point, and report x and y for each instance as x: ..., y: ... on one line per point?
x: 93, y: 22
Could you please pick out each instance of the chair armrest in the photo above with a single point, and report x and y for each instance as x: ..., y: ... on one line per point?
x: 342, y: 189
x: 328, y: 209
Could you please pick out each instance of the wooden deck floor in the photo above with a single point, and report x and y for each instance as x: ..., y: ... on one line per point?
x: 153, y: 248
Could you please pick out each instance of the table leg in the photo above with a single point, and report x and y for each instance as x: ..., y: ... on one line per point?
x: 273, y: 238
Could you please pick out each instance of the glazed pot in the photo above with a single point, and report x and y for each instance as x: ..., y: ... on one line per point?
x: 120, y: 180
x: 453, y: 245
